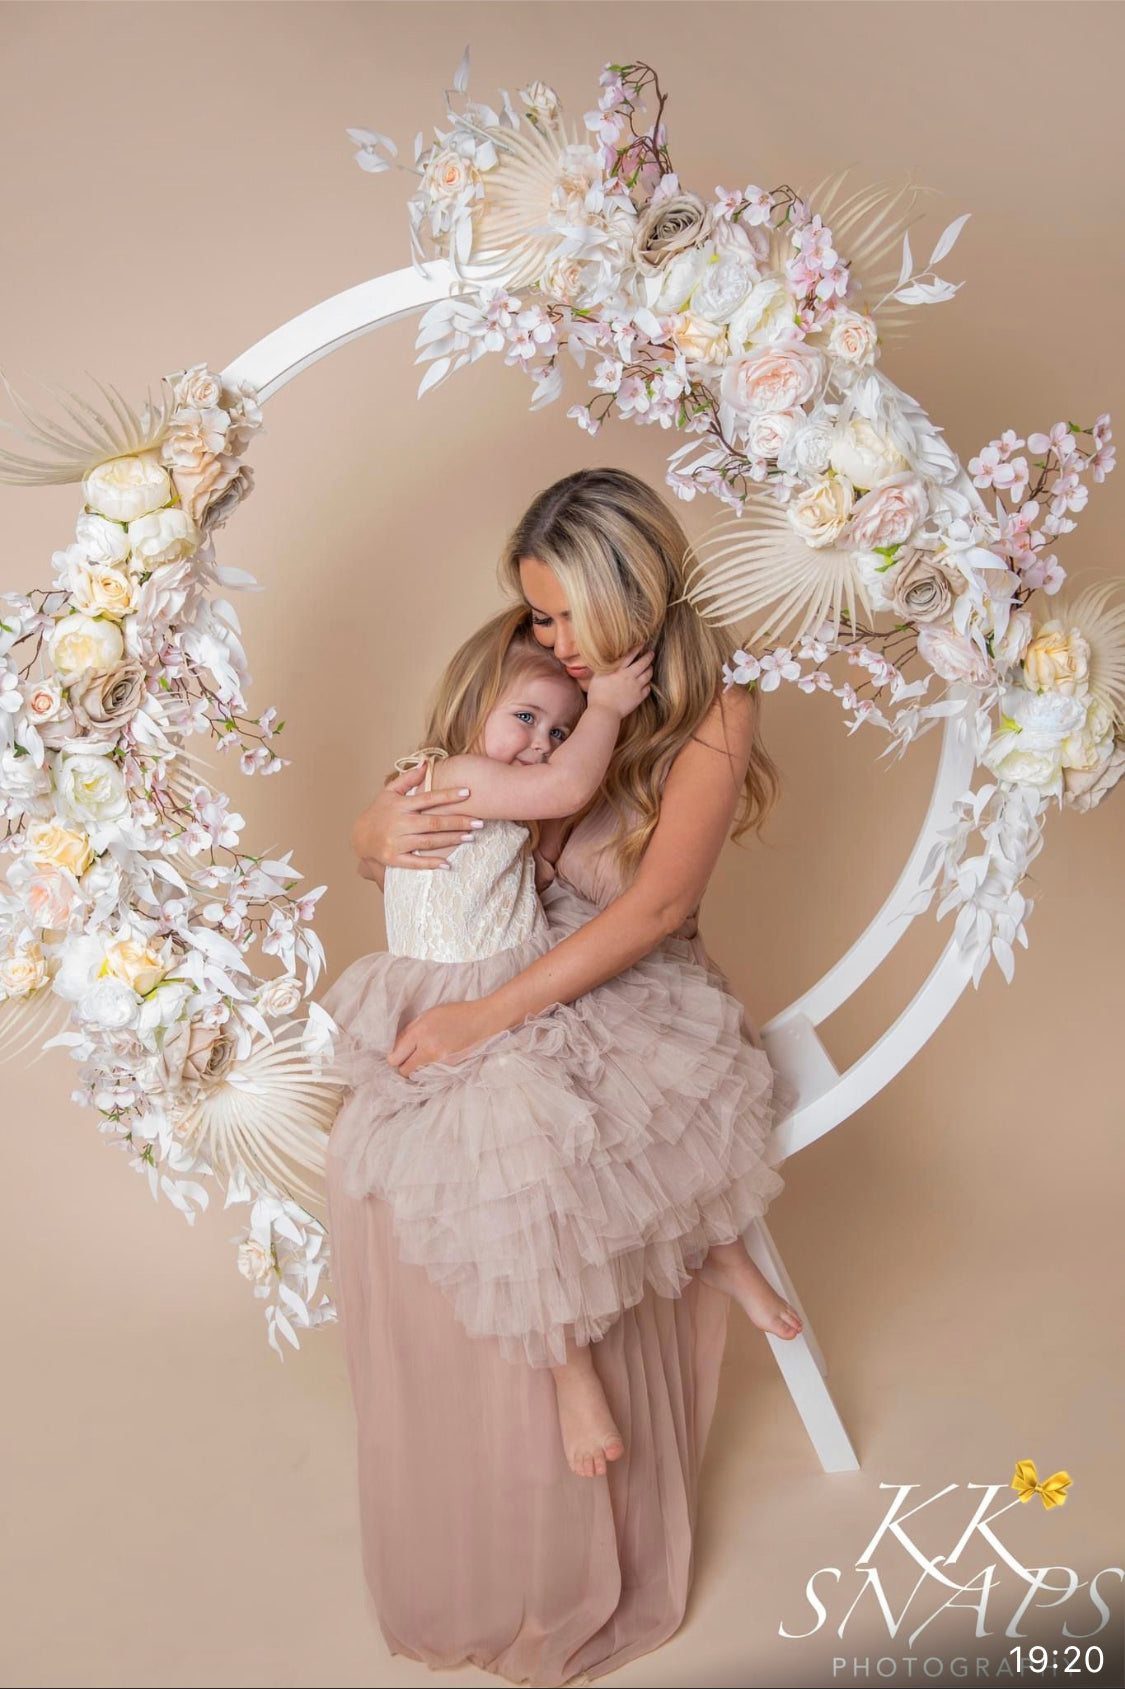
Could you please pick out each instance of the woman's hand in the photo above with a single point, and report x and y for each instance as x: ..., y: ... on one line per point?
x: 394, y: 826
x: 440, y: 1033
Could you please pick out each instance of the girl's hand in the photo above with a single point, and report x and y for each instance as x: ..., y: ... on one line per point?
x: 626, y: 686
x: 440, y: 1033
x: 394, y: 826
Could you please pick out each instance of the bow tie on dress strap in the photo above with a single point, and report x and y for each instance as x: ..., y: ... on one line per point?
x: 417, y: 759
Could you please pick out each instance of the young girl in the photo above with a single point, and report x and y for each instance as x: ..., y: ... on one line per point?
x: 541, y: 1177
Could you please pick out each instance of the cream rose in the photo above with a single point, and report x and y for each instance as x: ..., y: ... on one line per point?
x: 280, y: 996
x: 773, y: 379
x: 852, y: 338
x: 864, y: 455
x: 821, y: 512
x: 56, y: 846
x: 1058, y: 660
x: 23, y: 970
x: 44, y: 701
x: 562, y: 279
x: 198, y: 389
x: 127, y: 487
x: 669, y: 227
x: 769, y: 434
x: 134, y: 961
x: 254, y: 1261
x: 700, y: 341
x: 100, y: 540
x: 448, y: 174
x: 1085, y: 788
x: 98, y: 589
x: 920, y: 589
x: 890, y: 513
x: 951, y: 656
x: 163, y: 536
x: 110, y: 699
x: 79, y: 643
x: 90, y: 788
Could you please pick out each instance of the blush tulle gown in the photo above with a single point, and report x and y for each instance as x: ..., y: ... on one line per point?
x: 573, y: 1170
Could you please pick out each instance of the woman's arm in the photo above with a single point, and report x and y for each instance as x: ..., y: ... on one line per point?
x: 697, y: 810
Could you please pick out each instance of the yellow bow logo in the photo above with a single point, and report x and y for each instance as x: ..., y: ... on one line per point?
x: 1053, y: 1489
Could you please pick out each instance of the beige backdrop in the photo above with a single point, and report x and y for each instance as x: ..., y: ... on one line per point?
x: 178, y: 182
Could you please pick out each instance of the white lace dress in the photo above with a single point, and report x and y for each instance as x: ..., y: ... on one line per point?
x: 545, y: 1176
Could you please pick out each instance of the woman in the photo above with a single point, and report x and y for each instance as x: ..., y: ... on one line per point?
x: 479, y: 1544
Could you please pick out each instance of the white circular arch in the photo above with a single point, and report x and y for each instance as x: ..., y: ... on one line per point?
x: 826, y: 1097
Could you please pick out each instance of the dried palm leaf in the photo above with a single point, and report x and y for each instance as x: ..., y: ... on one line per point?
x: 27, y: 1022
x: 1103, y: 626
x: 754, y: 562
x: 269, y: 1114
x: 95, y: 438
x: 513, y: 241
x: 867, y: 228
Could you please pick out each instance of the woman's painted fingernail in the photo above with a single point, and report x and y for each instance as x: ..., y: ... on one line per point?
x: 464, y: 792
x: 467, y: 838
x: 476, y: 823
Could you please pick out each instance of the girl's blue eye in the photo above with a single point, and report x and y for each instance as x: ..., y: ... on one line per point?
x: 561, y: 732
x: 525, y: 715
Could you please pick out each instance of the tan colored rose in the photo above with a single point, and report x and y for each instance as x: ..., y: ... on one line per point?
x: 700, y: 341
x: 100, y: 590
x: 192, y: 1052
x: 920, y: 589
x: 127, y: 487
x: 79, y: 643
x: 112, y: 698
x: 202, y: 487
x: 134, y: 961
x: 852, y: 338
x: 821, y: 512
x: 1086, y: 787
x: 890, y: 513
x: 448, y: 174
x: 776, y: 378
x: 23, y: 969
x: 54, y: 845
x: 224, y: 501
x: 668, y: 228
x: 1058, y: 660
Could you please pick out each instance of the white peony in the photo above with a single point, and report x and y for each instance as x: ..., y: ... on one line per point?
x: 20, y: 778
x: 863, y: 454
x: 163, y: 536
x: 678, y: 281
x: 1044, y: 719
x: 127, y: 487
x: 724, y: 286
x: 100, y: 540
x: 1089, y: 745
x: 1039, y: 768
x: 820, y: 513
x: 757, y: 321
x: 90, y: 788
x: 808, y: 450
x: 79, y: 642
x: 109, y: 1003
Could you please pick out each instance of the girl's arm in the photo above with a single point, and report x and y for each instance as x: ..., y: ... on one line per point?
x: 697, y: 810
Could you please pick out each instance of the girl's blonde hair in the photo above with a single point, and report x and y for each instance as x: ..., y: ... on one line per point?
x: 618, y: 553
x: 489, y: 663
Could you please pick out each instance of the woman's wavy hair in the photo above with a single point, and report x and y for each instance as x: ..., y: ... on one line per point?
x: 485, y: 667
x: 618, y: 553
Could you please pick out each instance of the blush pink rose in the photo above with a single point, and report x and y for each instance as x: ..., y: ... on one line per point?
x: 776, y: 378
x: 889, y: 513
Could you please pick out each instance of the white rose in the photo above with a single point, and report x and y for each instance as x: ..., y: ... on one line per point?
x: 127, y: 487
x: 44, y: 700
x: 101, y: 541
x: 1010, y: 646
x: 254, y: 1261
x: 22, y: 971
x: 163, y: 536
x: 448, y: 174
x: 1058, y: 659
x: 98, y: 589
x: 19, y: 776
x: 198, y: 389
x: 751, y: 323
x: 108, y: 1003
x: 700, y: 341
x: 280, y: 996
x: 55, y: 846
x: 724, y: 286
x: 768, y: 435
x: 562, y: 279
x: 772, y: 379
x: 1045, y: 719
x: 90, y: 788
x: 864, y: 455
x: 1041, y: 769
x: 677, y: 281
x: 889, y: 514
x: 852, y: 338
x: 952, y: 657
x: 821, y: 512
x: 807, y: 452
x: 78, y: 642
x: 134, y: 961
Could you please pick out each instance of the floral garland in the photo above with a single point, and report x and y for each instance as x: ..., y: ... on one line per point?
x: 753, y: 323
x: 127, y: 905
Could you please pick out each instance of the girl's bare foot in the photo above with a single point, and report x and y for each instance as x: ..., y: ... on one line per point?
x: 728, y: 1267
x: 589, y: 1435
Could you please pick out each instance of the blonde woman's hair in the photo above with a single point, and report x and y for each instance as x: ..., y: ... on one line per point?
x: 618, y: 553
x: 489, y: 663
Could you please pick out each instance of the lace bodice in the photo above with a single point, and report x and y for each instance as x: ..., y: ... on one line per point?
x: 484, y: 903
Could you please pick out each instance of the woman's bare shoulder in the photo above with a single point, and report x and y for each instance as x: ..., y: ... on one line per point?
x: 729, y: 724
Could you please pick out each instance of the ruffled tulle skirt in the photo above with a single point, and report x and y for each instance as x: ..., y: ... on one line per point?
x: 544, y: 1177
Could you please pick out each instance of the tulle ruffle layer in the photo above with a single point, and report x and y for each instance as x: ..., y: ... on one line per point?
x: 545, y: 1176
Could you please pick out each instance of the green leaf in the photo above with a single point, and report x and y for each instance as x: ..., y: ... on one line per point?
x: 1007, y: 725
